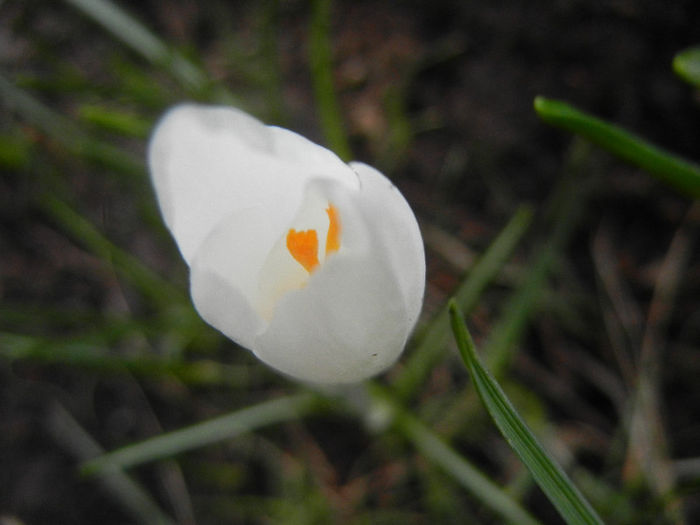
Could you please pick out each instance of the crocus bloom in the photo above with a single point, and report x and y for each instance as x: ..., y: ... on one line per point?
x: 315, y: 265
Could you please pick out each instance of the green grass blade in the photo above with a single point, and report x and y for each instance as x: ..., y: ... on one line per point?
x: 435, y: 337
x: 133, y: 498
x: 669, y: 168
x: 19, y: 101
x: 206, y: 433
x: 124, y: 26
x: 570, y: 503
x: 66, y: 133
x: 144, y: 279
x: 91, y: 356
x: 15, y: 151
x: 566, y: 204
x: 270, y: 66
x: 686, y: 64
x: 487, y: 492
x: 321, y: 59
x: 116, y: 121
x: 140, y: 39
x: 437, y: 451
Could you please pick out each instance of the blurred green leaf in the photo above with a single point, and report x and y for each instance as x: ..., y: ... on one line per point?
x: 89, y: 355
x: 117, y: 121
x: 564, y: 212
x: 560, y: 490
x: 206, y: 433
x: 268, y: 62
x: 15, y: 151
x: 147, y: 281
x: 138, y: 37
x: 65, y: 132
x: 132, y: 497
x: 669, y: 168
x: 439, y: 452
x: 321, y: 59
x: 136, y: 85
x: 433, y: 340
x: 34, y: 112
x: 686, y: 64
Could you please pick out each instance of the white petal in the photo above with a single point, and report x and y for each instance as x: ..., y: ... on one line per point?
x: 395, y: 228
x: 223, y: 306
x: 353, y: 317
x: 224, y: 273
x: 207, y: 162
x: 336, y: 330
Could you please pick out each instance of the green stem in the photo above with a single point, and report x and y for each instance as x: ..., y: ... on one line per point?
x: 321, y: 59
x: 667, y: 167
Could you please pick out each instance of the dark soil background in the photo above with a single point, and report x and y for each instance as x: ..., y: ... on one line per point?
x: 437, y: 94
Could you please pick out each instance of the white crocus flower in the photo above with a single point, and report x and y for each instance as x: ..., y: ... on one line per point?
x: 315, y: 265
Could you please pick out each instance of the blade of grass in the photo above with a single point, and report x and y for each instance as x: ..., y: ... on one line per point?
x: 138, y: 85
x: 99, y: 328
x: 15, y: 152
x: 270, y: 58
x: 206, y: 433
x: 144, y: 279
x: 134, y: 34
x: 567, y: 203
x: 36, y: 113
x: 686, y: 64
x: 116, y: 121
x: 648, y: 450
x: 550, y: 477
x: 134, y: 499
x: 91, y: 356
x: 76, y: 142
x: 667, y: 167
x: 437, y: 451
x: 435, y: 337
x: 321, y: 61
x: 140, y: 39
x: 66, y: 133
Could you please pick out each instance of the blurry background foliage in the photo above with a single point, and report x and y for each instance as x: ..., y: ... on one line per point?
x: 578, y: 273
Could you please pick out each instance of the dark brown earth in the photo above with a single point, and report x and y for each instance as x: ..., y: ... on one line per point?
x: 439, y: 95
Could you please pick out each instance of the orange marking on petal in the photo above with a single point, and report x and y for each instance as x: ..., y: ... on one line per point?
x: 333, y: 237
x: 303, y: 246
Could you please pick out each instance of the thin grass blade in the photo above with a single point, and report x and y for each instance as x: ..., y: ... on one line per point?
x: 201, y: 434
x: 321, y: 59
x: 139, y: 38
x: 65, y: 430
x: 66, y: 132
x: 445, y: 457
x: 90, y: 356
x: 436, y: 335
x: 564, y: 212
x: 560, y: 490
x: 686, y: 64
x: 120, y: 122
x: 145, y: 280
x: 667, y: 167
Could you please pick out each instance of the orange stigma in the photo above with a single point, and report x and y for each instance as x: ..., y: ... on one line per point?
x: 333, y: 237
x: 303, y: 246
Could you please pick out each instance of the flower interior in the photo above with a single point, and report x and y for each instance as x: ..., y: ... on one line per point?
x: 303, y: 245
x: 313, y: 235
